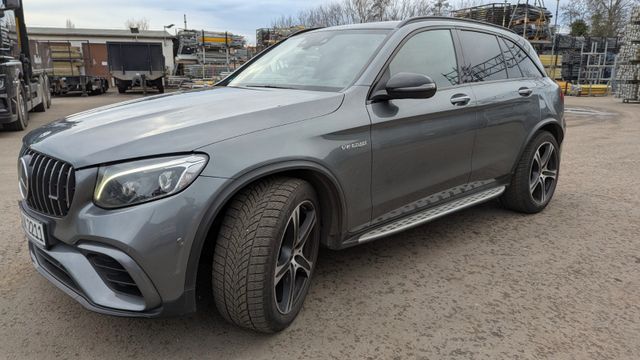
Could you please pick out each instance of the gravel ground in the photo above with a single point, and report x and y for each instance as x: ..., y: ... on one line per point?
x: 484, y: 283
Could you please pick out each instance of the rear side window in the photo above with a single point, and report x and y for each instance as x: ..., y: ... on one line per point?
x: 528, y: 68
x: 428, y: 53
x: 483, y: 57
x: 513, y: 70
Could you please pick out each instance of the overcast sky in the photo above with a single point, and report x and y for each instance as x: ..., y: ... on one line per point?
x: 237, y: 16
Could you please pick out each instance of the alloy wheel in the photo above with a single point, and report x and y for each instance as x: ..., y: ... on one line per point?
x: 296, y: 257
x: 544, y: 172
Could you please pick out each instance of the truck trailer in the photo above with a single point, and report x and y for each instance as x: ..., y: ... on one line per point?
x: 24, y: 67
x: 70, y: 71
x: 136, y: 65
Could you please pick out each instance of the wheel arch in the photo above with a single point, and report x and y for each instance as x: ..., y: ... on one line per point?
x: 550, y: 125
x: 329, y: 191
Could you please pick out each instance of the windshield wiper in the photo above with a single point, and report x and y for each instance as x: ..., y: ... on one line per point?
x: 269, y: 86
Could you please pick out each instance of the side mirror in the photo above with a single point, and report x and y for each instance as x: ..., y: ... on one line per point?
x: 407, y: 86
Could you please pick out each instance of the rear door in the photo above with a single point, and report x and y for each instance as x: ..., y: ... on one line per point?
x: 507, y: 102
x: 421, y: 147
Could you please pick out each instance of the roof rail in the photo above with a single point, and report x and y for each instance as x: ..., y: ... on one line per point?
x: 448, y: 18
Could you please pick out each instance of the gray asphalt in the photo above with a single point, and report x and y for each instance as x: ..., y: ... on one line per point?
x: 484, y: 283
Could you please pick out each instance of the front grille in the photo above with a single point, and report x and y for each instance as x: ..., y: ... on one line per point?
x: 114, y: 274
x: 51, y: 184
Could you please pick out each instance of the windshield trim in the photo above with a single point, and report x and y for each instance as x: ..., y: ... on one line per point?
x: 374, y: 54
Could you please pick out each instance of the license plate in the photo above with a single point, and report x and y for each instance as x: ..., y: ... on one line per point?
x: 34, y: 229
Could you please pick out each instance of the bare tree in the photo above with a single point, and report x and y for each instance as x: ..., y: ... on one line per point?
x: 69, y: 24
x: 608, y: 17
x: 359, y: 11
x: 574, y: 10
x: 141, y: 24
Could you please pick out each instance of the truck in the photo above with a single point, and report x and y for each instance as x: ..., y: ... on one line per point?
x: 24, y: 81
x: 136, y: 65
x: 70, y: 73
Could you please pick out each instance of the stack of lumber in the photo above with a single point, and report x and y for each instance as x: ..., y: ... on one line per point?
x: 628, y: 60
x: 530, y: 21
x: 67, y: 60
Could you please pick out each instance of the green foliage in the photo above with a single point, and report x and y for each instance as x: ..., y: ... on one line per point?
x: 579, y: 28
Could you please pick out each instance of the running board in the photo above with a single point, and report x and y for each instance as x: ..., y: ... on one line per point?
x: 431, y: 214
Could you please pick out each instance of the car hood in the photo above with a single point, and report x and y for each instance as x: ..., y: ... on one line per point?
x: 173, y: 123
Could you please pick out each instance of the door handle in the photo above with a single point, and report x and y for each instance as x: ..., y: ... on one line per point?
x: 523, y: 91
x: 460, y: 99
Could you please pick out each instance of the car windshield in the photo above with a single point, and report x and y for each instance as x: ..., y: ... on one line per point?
x: 326, y: 60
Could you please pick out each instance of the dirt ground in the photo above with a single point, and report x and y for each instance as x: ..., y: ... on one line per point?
x: 484, y: 283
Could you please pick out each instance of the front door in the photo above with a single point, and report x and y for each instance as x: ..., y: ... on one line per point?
x: 422, y: 148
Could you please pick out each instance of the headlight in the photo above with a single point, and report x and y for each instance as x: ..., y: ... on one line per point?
x: 145, y: 180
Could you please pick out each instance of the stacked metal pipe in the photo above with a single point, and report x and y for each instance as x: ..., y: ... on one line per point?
x: 628, y: 61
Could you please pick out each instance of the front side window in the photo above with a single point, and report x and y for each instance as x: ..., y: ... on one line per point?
x: 328, y: 60
x: 528, y: 68
x: 429, y: 53
x: 483, y: 57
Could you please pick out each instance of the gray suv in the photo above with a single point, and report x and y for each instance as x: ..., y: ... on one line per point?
x: 334, y: 137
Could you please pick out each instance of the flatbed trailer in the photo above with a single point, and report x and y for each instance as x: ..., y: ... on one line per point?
x: 138, y: 65
x: 68, y: 73
x: 24, y: 72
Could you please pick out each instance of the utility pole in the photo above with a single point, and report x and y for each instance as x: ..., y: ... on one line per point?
x: 526, y: 20
x: 185, y: 21
x: 204, y: 55
x: 226, y: 46
x: 554, y: 56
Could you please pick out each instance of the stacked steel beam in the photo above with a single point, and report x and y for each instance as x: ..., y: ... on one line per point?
x: 628, y: 61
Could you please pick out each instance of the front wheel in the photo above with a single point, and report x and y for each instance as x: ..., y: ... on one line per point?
x: 534, y: 181
x: 20, y: 106
x: 265, y: 254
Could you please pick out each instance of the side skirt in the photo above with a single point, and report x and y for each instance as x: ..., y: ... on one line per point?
x: 427, y: 215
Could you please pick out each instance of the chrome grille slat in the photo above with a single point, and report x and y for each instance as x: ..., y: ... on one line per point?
x: 51, y: 184
x: 35, y: 175
x: 58, y: 186
x: 44, y: 193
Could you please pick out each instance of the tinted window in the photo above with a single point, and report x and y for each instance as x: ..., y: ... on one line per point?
x: 428, y: 53
x: 483, y: 57
x: 528, y: 68
x: 513, y: 70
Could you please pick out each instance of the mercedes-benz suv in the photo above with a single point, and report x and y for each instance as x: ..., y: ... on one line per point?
x: 333, y: 137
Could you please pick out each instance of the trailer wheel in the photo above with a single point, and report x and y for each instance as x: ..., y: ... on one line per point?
x: 122, y: 87
x: 20, y: 107
x: 160, y: 87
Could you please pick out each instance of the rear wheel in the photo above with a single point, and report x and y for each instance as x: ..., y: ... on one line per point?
x: 20, y: 106
x: 534, y: 181
x: 265, y: 254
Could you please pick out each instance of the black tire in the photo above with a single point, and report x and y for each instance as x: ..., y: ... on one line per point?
x: 533, y: 183
x: 122, y: 87
x: 23, y: 115
x: 160, y: 86
x: 255, y: 240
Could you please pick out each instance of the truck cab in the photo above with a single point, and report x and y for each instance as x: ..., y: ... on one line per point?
x: 24, y: 83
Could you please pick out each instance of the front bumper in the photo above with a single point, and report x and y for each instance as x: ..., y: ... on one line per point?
x: 125, y: 262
